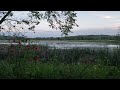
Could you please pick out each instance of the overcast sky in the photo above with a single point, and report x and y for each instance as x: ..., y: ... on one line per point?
x: 90, y: 22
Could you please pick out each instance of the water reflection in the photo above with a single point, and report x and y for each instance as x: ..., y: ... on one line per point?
x: 70, y: 45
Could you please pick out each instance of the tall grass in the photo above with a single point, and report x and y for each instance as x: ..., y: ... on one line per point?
x: 40, y: 62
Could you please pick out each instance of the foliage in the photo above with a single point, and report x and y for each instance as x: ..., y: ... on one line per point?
x: 63, y: 20
x: 40, y: 62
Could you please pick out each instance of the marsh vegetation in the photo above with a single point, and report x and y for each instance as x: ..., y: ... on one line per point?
x: 60, y: 60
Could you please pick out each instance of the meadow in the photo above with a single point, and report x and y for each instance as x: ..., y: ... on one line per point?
x: 41, y: 62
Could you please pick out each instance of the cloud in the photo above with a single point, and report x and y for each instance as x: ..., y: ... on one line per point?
x: 107, y: 17
x: 104, y: 16
x: 101, y: 14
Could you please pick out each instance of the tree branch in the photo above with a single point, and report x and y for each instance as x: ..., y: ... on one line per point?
x: 3, y: 19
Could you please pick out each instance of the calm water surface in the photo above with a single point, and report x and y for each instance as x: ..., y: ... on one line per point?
x: 70, y: 45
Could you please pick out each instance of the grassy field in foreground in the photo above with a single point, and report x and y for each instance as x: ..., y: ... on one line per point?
x: 40, y: 62
x: 57, y: 71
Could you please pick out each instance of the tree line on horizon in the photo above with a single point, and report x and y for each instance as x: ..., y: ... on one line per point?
x: 79, y: 37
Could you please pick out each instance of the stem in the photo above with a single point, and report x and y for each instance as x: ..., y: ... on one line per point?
x: 3, y: 19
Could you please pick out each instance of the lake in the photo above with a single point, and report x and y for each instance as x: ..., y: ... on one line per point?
x: 71, y: 44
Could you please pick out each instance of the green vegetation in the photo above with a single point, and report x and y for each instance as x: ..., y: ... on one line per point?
x: 40, y: 62
x: 82, y: 37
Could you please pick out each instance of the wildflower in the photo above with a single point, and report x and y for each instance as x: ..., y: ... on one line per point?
x: 33, y: 47
x: 28, y: 46
x: 36, y: 49
x: 37, y: 58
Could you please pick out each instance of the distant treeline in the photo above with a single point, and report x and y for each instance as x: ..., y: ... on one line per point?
x: 2, y: 37
x: 80, y: 37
